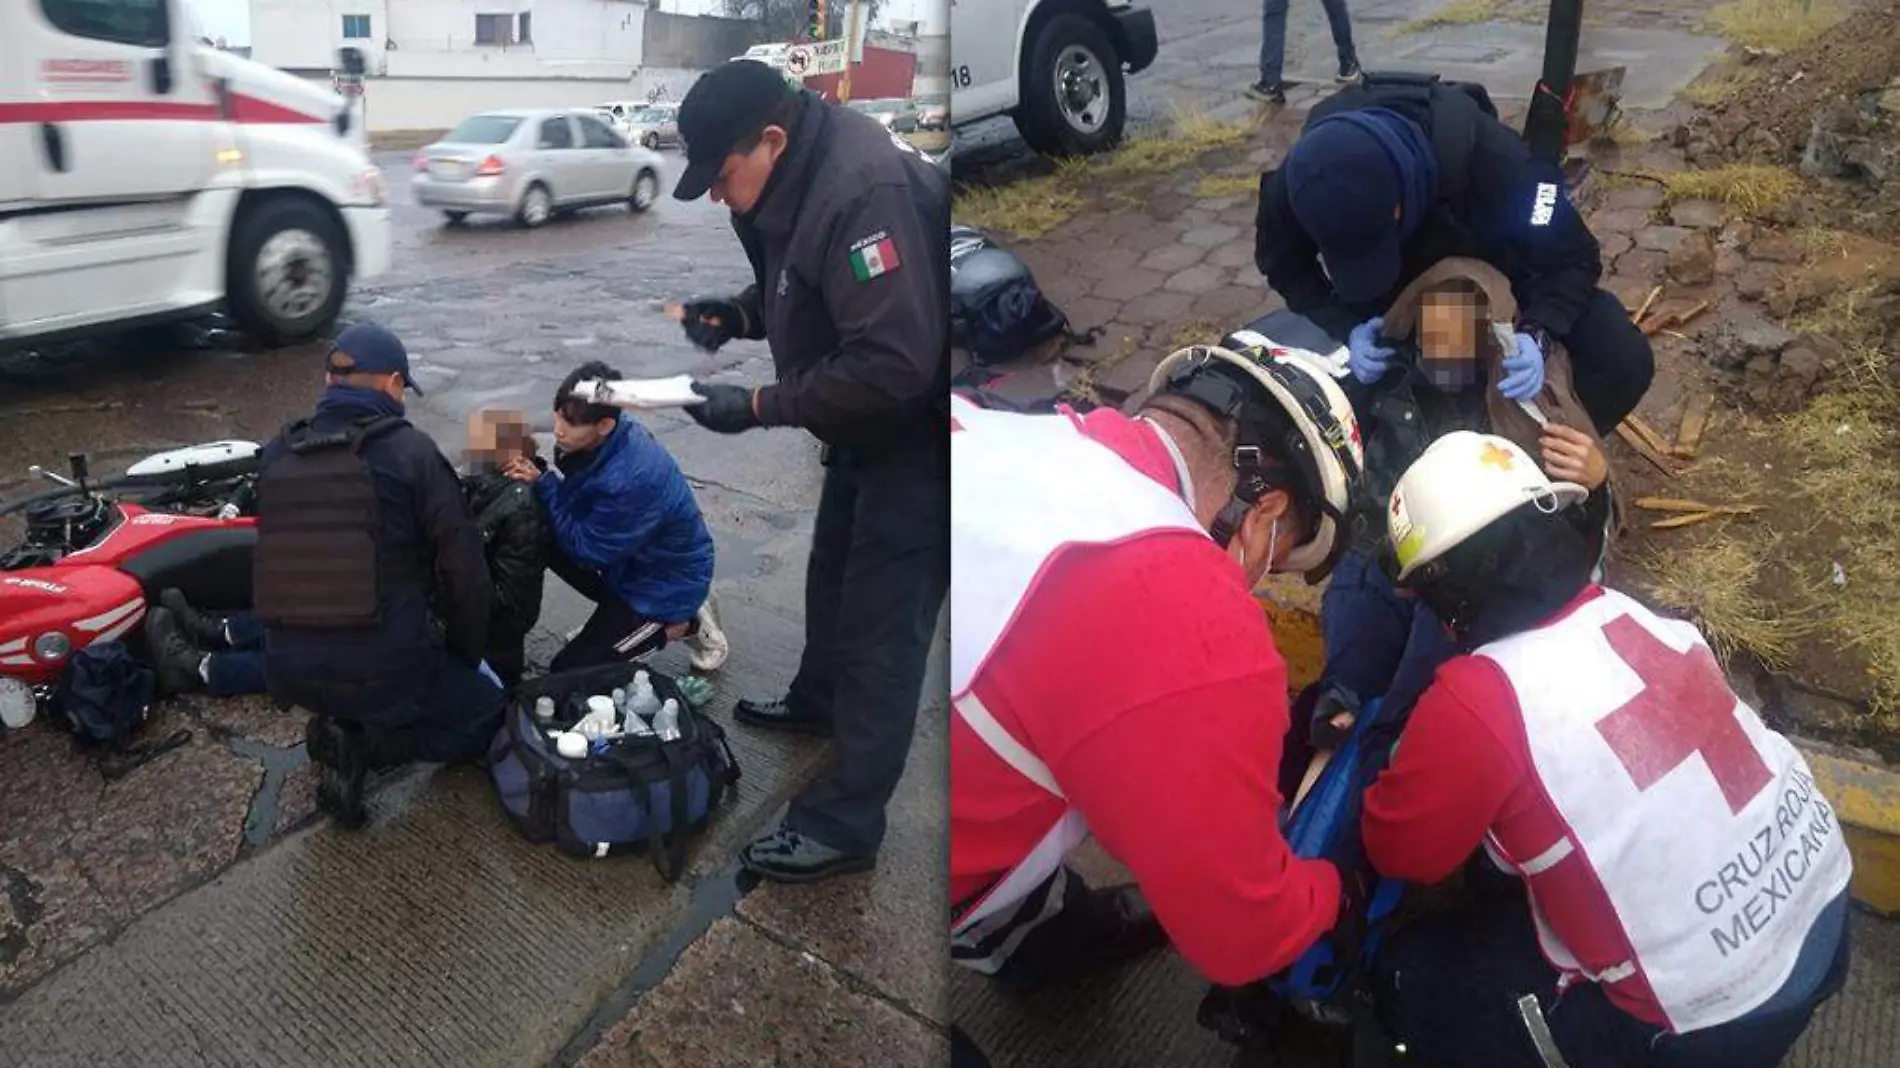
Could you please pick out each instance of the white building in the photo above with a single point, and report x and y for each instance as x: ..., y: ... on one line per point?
x: 432, y: 62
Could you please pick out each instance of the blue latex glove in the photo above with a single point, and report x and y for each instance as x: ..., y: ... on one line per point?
x: 1523, y: 370
x: 1368, y: 359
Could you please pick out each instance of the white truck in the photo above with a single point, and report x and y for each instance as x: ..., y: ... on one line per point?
x: 146, y: 176
x: 1056, y: 67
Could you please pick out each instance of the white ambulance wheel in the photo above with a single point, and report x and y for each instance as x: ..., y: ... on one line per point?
x: 1074, y: 102
x: 287, y: 272
x: 646, y: 190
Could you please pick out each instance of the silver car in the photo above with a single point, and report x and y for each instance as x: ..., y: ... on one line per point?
x: 655, y: 125
x: 533, y: 164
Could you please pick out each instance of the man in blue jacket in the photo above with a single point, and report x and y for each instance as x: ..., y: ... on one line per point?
x: 628, y: 535
x: 1401, y: 171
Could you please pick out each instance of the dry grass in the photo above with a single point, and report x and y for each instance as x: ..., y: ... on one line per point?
x: 1850, y: 482
x: 1717, y: 580
x: 1032, y: 207
x: 1627, y: 134
x: 1775, y: 24
x: 1713, y: 88
x: 1749, y: 188
x: 1216, y: 186
x: 1821, y: 243
x: 1454, y: 13
x: 1198, y: 332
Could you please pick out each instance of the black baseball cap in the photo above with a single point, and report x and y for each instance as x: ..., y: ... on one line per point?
x: 1343, y: 185
x: 724, y: 107
x: 367, y: 349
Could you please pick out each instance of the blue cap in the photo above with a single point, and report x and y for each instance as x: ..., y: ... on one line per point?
x: 371, y: 350
x: 1343, y: 187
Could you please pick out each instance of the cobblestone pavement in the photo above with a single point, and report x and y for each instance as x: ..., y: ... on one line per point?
x: 1164, y: 264
x: 196, y: 913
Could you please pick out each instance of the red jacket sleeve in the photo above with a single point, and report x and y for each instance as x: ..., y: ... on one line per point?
x: 1173, y: 765
x: 1452, y: 773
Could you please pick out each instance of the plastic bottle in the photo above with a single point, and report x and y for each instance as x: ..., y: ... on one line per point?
x: 666, y: 722
x: 643, y: 700
x: 544, y: 710
x: 570, y: 745
x: 620, y: 699
x: 600, y: 718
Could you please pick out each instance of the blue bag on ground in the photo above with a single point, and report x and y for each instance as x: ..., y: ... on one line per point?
x: 1326, y: 824
x: 635, y: 793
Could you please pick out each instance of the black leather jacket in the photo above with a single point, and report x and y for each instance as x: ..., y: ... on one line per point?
x: 516, y: 541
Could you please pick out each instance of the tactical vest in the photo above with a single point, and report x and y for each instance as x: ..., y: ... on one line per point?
x: 317, y: 565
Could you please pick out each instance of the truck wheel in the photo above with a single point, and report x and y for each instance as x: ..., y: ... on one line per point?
x: 287, y: 272
x: 646, y: 190
x: 536, y: 206
x: 1074, y: 100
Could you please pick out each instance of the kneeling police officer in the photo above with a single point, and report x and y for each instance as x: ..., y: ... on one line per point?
x: 370, y: 580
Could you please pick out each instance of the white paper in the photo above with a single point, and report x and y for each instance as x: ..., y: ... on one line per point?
x: 674, y: 392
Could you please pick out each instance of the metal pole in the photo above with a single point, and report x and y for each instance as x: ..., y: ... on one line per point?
x: 850, y: 42
x: 1548, y: 120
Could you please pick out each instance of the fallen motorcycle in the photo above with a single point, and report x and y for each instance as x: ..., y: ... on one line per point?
x: 95, y: 553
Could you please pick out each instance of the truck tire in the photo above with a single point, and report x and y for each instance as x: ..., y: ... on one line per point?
x: 287, y: 271
x: 1074, y: 100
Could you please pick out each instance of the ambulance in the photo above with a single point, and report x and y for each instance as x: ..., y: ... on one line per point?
x: 147, y: 176
x: 1058, y: 70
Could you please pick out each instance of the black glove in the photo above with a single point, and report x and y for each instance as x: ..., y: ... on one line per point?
x: 1333, y: 700
x: 728, y: 409
x: 711, y: 323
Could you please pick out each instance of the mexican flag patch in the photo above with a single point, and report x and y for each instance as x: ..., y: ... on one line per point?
x: 874, y: 256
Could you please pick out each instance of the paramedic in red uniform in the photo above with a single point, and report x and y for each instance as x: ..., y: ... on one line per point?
x: 1112, y: 674
x: 1681, y: 886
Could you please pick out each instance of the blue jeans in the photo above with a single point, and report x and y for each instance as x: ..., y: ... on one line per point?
x: 1378, y: 643
x: 1273, y: 36
x: 1448, y: 986
x: 240, y: 669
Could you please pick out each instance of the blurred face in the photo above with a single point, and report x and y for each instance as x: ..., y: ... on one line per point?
x: 496, y: 438
x: 744, y: 175
x: 1448, y: 339
x: 580, y: 437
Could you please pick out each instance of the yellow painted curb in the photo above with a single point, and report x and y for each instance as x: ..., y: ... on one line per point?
x: 1867, y: 801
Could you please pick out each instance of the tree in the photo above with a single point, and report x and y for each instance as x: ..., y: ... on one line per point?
x: 789, y: 20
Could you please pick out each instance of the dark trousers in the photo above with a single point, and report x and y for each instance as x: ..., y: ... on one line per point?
x: 239, y: 668
x: 1448, y: 987
x: 1378, y: 643
x: 1611, y: 362
x: 877, y: 577
x: 614, y: 634
x: 1273, y: 35
x: 446, y: 713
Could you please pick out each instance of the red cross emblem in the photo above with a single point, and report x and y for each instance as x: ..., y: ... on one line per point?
x: 955, y: 424
x: 1398, y: 505
x: 1685, y: 709
x: 1497, y: 457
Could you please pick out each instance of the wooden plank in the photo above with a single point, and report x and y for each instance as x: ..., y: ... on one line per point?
x: 1653, y: 455
x: 1695, y: 420
x: 1647, y: 301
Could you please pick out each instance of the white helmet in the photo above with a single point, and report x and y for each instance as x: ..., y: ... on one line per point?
x: 1309, y: 421
x: 1463, y: 483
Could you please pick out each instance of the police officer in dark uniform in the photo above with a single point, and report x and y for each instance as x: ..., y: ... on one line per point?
x: 1398, y: 172
x: 847, y: 230
x: 370, y: 580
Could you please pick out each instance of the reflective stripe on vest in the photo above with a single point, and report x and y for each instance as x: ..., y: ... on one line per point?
x: 1023, y: 489
x: 1699, y: 828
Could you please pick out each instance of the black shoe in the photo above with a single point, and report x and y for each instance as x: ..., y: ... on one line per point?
x: 1251, y: 1017
x: 789, y: 857
x: 1103, y: 929
x: 1268, y: 94
x: 1349, y: 70
x: 780, y: 715
x: 175, y: 659
x: 342, y: 766
x: 205, y: 630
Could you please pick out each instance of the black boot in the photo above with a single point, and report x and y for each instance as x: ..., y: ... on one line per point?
x: 1268, y: 94
x: 781, y: 715
x: 204, y: 629
x: 342, y: 761
x: 174, y: 658
x: 1100, y: 929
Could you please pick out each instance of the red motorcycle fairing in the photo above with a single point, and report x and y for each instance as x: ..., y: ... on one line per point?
x: 99, y: 593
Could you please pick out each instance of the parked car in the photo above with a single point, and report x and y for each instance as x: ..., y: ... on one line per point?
x: 1060, y: 75
x: 653, y: 125
x: 533, y: 164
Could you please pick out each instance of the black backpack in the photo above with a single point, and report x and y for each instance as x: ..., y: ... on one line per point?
x: 997, y: 312
x: 104, y: 694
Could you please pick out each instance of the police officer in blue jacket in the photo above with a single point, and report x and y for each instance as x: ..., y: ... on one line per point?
x: 1394, y: 174
x: 627, y: 531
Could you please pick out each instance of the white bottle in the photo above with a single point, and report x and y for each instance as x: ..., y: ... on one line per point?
x: 643, y: 701
x: 543, y: 710
x: 599, y: 719
x: 570, y: 745
x: 620, y: 699
x: 666, y: 722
